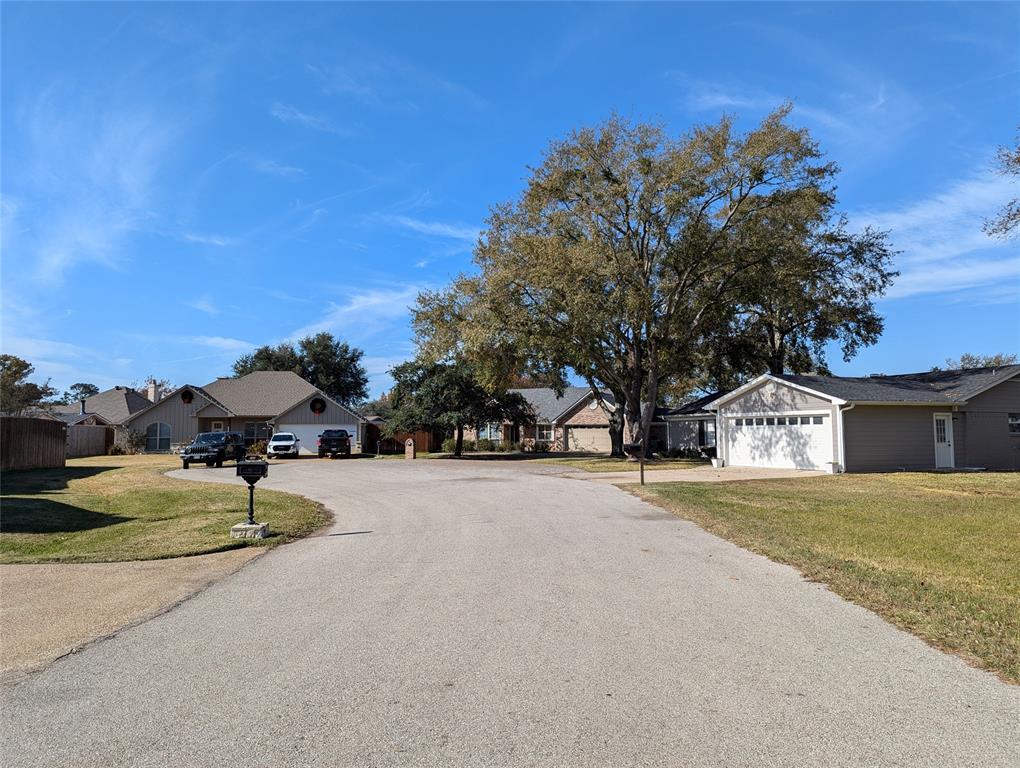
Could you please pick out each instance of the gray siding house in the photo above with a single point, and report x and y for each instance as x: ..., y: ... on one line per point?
x: 920, y: 421
x: 257, y: 405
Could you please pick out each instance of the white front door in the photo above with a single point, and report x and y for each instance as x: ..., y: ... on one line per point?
x: 944, y: 441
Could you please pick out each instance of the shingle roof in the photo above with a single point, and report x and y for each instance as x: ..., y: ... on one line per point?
x: 547, y: 405
x: 928, y: 387
x: 262, y: 393
x: 693, y: 408
x: 115, y: 405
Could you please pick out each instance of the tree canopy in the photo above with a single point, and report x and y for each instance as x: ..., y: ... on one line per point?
x: 79, y: 391
x: 330, y: 364
x: 448, y: 396
x: 635, y: 259
x: 17, y: 393
x: 970, y: 360
x: 1007, y: 222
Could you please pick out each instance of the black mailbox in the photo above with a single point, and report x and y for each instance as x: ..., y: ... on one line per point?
x: 252, y: 472
x: 632, y: 449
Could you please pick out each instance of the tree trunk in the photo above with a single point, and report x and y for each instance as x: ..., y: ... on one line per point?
x: 460, y: 441
x: 616, y: 430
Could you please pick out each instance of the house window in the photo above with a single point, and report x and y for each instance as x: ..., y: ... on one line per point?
x: 491, y: 431
x: 770, y: 421
x: 256, y: 431
x: 217, y: 426
x: 817, y: 419
x: 1014, y: 423
x: 759, y: 421
x: 805, y: 419
x: 739, y: 422
x: 706, y: 433
x: 544, y: 433
x: 157, y: 437
x: 781, y: 421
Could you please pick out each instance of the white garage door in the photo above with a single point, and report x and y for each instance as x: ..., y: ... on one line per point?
x: 786, y: 442
x: 309, y: 433
x: 592, y: 439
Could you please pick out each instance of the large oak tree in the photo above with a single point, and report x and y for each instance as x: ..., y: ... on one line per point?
x: 629, y: 251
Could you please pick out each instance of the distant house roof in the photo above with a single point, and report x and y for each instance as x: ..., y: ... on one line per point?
x: 262, y: 393
x: 548, y: 405
x: 74, y: 418
x: 928, y: 387
x: 693, y: 408
x: 114, y: 405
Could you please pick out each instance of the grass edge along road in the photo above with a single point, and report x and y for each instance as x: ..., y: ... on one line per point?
x: 935, y: 554
x: 117, y: 508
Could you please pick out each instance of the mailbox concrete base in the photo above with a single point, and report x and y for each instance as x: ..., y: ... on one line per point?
x: 245, y: 531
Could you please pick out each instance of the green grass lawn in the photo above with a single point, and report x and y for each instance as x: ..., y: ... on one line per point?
x: 109, y: 508
x: 936, y: 554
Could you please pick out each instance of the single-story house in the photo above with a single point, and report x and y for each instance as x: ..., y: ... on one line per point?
x: 571, y: 421
x: 257, y: 405
x: 690, y: 426
x: 919, y: 421
x: 114, y: 406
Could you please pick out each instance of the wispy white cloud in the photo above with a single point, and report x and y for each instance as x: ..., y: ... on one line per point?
x: 89, y: 172
x: 383, y: 80
x: 286, y: 113
x: 273, y: 168
x: 463, y: 232
x: 364, y: 313
x: 203, y: 304
x: 204, y: 239
x: 943, y: 247
x: 220, y: 342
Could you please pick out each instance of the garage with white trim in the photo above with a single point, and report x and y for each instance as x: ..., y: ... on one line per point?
x: 784, y: 442
x: 777, y: 424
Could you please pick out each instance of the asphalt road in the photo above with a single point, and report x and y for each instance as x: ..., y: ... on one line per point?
x: 480, y: 615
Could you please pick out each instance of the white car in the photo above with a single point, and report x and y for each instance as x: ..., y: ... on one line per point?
x: 283, y: 444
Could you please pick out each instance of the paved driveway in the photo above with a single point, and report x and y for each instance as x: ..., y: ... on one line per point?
x: 489, y: 616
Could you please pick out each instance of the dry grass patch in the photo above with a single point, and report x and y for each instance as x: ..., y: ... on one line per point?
x: 936, y: 554
x: 610, y: 464
x: 111, y: 508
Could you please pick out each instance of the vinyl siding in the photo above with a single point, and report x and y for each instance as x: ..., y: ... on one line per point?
x: 303, y: 414
x: 683, y: 434
x: 179, y: 415
x: 886, y: 438
x: 772, y: 397
x: 986, y: 440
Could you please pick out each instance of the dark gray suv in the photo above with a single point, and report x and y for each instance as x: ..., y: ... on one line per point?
x: 213, y: 448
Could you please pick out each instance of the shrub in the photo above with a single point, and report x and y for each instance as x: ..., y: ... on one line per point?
x: 258, y: 448
x: 117, y: 450
x: 541, y: 446
x: 486, y: 445
x: 470, y: 446
x: 134, y: 442
x: 449, y: 445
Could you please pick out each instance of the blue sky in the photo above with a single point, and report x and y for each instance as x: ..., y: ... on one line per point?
x: 181, y: 183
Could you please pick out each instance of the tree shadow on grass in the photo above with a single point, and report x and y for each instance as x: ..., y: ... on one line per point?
x: 26, y: 481
x: 44, y: 516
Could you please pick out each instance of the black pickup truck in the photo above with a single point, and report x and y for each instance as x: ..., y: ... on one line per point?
x: 213, y: 448
x: 334, y: 441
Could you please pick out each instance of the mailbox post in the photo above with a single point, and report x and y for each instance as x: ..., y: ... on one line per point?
x: 637, y: 450
x: 252, y: 472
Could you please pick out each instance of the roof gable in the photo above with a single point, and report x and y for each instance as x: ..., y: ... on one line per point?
x: 114, y: 405
x: 547, y: 405
x: 262, y: 393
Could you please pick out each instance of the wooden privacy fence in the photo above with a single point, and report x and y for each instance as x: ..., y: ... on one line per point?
x: 27, y: 443
x: 88, y: 440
